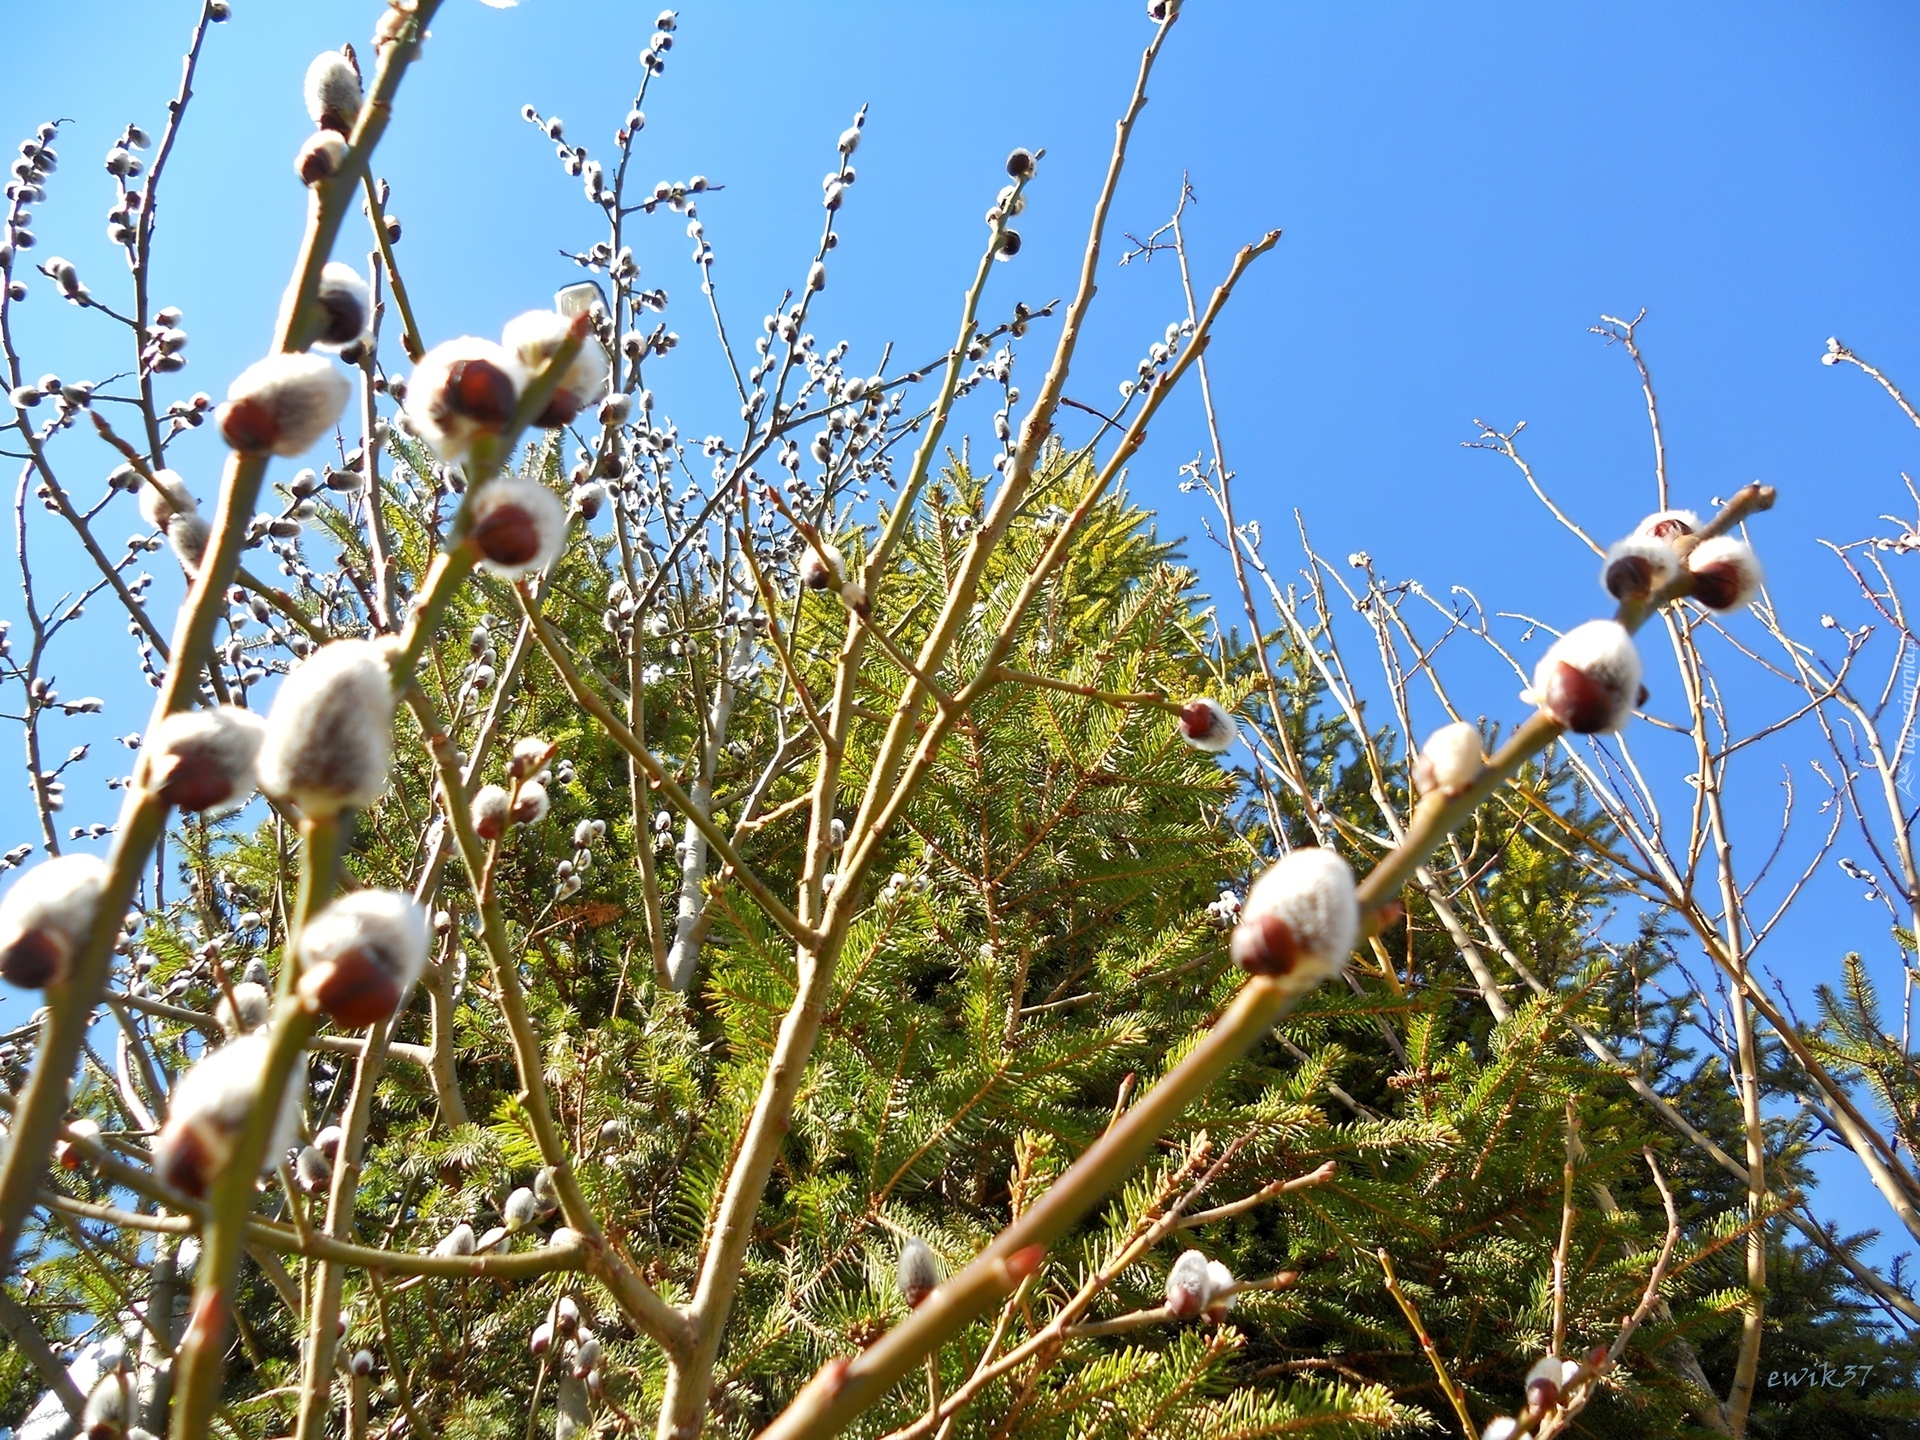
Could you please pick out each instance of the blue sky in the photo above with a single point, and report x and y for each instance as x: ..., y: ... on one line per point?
x: 1463, y: 191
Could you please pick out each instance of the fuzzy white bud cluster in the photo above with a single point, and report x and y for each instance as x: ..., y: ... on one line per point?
x: 1726, y: 573
x: 332, y: 91
x: 345, y: 302
x: 247, y: 1008
x: 1189, y: 1285
x: 533, y: 339
x: 917, y: 1273
x: 518, y: 525
x: 1450, y: 761
x: 1638, y: 565
x: 822, y: 565
x: 1300, y: 918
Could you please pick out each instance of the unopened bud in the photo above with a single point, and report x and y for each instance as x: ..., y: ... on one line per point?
x: 246, y: 1009
x: 1726, y: 573
x: 361, y: 1364
x: 1450, y: 761
x: 1637, y: 566
x: 311, y: 1170
x: 489, y: 811
x: 1189, y: 1286
x: 520, y: 1210
x: 458, y: 1241
x: 1206, y: 725
x: 530, y: 804
x: 343, y: 299
x: 460, y: 391
x: 71, y: 1154
x: 321, y: 157
x: 333, y: 91
x: 821, y: 566
x: 112, y: 1406
x: 917, y: 1275
x: 533, y: 339
x: 163, y: 497
x: 518, y: 525
x: 1668, y: 524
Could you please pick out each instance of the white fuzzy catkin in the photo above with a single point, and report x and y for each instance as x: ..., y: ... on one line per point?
x: 187, y: 537
x: 822, y: 566
x: 457, y: 1241
x: 530, y: 805
x: 1726, y: 573
x: 1219, y: 1284
x: 520, y: 1210
x: 45, y: 917
x: 519, y: 526
x: 533, y: 339
x: 360, y: 956
x: 1450, y: 760
x: 344, y: 302
x: 462, y: 390
x: 163, y: 497
x: 210, y: 1107
x: 489, y: 811
x: 320, y: 156
x: 1206, y: 725
x: 1589, y: 679
x: 247, y: 1009
x: 329, y: 743
x: 917, y: 1275
x: 1189, y: 1285
x: 333, y: 91
x: 1668, y: 524
x: 1300, y: 918
x: 1638, y: 565
x: 283, y: 404
x: 112, y: 1405
x: 203, y: 760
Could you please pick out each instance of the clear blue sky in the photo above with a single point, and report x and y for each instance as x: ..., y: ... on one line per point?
x: 1463, y: 190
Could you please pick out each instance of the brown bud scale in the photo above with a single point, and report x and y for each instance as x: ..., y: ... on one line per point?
x: 507, y: 535
x: 1264, y: 944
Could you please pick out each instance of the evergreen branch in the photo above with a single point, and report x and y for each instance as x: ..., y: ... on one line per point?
x: 1007, y: 674
x: 1579, y: 1387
